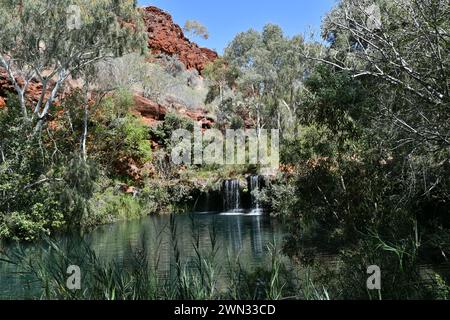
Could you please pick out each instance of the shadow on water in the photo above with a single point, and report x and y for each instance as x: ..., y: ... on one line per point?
x: 241, y: 235
x: 238, y: 235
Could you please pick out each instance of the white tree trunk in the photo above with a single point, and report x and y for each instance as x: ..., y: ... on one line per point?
x: 85, y: 122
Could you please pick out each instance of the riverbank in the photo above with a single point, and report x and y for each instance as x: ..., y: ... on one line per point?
x: 222, y: 250
x: 192, y: 190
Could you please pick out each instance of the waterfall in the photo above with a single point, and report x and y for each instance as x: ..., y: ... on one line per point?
x: 231, y: 195
x: 255, y: 185
x: 248, y: 203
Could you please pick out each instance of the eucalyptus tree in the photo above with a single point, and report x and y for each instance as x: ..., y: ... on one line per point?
x: 271, y: 71
x: 45, y: 183
x: 50, y: 41
x: 400, y: 51
x: 220, y: 76
x: 196, y: 28
x: 403, y: 48
x: 384, y: 74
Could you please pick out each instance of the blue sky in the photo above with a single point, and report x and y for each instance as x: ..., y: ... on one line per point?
x: 224, y: 19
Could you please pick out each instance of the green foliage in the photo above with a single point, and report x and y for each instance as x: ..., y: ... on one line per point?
x: 312, y: 142
x: 364, y: 174
x: 220, y: 75
x: 47, y: 186
x: 237, y: 123
x: 365, y: 147
x: 156, y: 197
x: 116, y: 105
x: 41, y: 219
x: 29, y: 202
x: 112, y: 206
x: 118, y: 136
x: 53, y: 38
x: 267, y: 71
x: 77, y: 189
x: 135, y: 140
x: 338, y: 101
x: 280, y: 198
x: 195, y: 28
x: 401, y: 272
x: 172, y: 122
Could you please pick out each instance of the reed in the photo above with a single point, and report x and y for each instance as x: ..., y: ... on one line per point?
x: 200, y: 277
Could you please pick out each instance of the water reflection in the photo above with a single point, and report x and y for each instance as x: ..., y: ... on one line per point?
x: 246, y: 236
x: 243, y: 236
x: 257, y: 240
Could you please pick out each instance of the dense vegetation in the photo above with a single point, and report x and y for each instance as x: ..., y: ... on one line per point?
x: 365, y: 138
x: 67, y: 152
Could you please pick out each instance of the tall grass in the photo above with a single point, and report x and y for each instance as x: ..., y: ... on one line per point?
x: 208, y: 275
x: 201, y: 277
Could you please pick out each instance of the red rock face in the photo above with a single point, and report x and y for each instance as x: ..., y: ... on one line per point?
x: 164, y: 36
x: 33, y: 92
x: 153, y: 114
x: 5, y: 86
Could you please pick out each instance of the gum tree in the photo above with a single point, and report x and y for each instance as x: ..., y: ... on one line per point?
x: 45, y: 184
x: 404, y: 47
x: 195, y: 28
x: 51, y: 41
x: 270, y: 75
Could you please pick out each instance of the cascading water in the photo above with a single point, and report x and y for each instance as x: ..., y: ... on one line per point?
x: 255, y: 185
x: 248, y: 203
x: 231, y: 196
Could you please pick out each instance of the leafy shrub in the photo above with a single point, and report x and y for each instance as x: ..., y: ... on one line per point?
x: 312, y: 141
x: 112, y: 205
x: 42, y: 219
x: 117, y: 105
x: 29, y: 195
x: 172, y: 122
x: 280, y: 198
x: 156, y: 197
x: 124, y: 139
x: 135, y: 137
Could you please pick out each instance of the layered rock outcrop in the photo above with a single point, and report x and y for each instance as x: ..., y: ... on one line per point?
x: 153, y: 113
x: 164, y: 36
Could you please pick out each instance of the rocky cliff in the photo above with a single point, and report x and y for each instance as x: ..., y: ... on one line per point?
x: 164, y: 36
x: 33, y: 92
